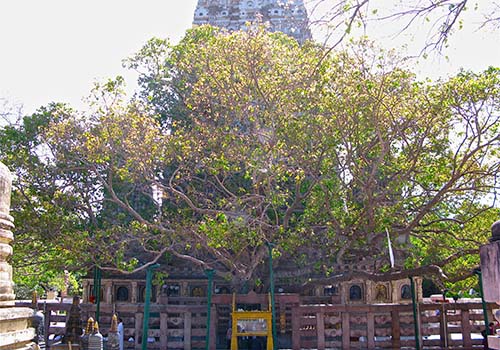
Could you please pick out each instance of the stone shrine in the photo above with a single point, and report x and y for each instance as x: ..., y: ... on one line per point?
x: 73, y: 323
x: 15, y: 330
x: 289, y: 17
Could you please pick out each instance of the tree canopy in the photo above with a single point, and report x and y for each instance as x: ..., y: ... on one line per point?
x: 241, y: 139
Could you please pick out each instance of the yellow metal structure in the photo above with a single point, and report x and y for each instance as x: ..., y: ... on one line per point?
x: 250, y: 324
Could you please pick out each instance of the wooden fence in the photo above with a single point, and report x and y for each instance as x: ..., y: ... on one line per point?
x: 170, y: 326
x: 442, y: 326
x: 181, y: 324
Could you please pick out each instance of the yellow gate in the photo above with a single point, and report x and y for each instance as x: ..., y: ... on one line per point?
x: 250, y: 324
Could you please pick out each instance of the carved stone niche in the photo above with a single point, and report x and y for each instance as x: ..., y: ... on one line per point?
x: 402, y: 291
x: 381, y: 292
x: 355, y: 292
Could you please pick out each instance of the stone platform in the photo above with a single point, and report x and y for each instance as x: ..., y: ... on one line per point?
x: 15, y: 330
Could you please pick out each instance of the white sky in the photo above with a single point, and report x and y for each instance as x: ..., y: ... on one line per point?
x: 53, y: 50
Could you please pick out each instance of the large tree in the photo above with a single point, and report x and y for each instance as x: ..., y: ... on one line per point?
x: 255, y: 140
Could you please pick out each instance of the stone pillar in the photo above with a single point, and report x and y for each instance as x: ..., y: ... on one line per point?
x: 135, y: 293
x: 15, y: 331
x: 490, y: 265
x: 85, y: 287
x: 108, y: 292
x: 490, y: 273
x: 184, y: 292
x: 6, y: 225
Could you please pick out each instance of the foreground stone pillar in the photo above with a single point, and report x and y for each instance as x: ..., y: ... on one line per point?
x: 15, y: 331
x: 6, y: 224
x: 490, y: 265
x: 490, y: 273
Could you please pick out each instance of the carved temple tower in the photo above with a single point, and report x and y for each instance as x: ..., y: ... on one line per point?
x: 287, y: 16
x: 15, y: 331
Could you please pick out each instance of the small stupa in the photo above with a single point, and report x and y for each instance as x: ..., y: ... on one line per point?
x: 113, y: 335
x: 95, y: 339
x: 15, y: 330
x: 84, y: 341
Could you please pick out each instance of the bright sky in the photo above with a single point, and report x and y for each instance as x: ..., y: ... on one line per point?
x: 53, y: 50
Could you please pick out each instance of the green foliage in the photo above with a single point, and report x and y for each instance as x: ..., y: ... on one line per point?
x: 44, y: 212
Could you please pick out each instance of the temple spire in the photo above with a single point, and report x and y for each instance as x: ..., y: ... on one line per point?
x: 289, y: 17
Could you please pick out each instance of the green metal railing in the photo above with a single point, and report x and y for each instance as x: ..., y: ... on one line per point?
x: 147, y: 301
x: 270, y: 247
